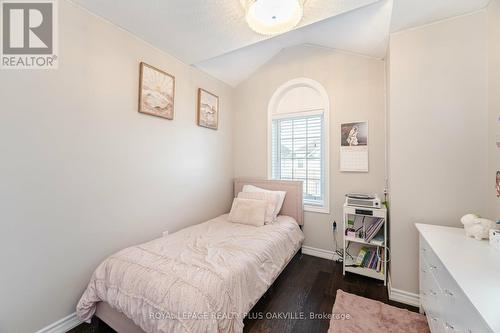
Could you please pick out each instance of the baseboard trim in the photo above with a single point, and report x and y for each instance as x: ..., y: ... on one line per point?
x: 320, y: 253
x: 62, y: 325
x: 402, y: 296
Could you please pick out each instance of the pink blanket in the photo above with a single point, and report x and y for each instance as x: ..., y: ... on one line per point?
x: 204, y: 278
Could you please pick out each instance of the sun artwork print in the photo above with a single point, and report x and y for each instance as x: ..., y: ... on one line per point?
x: 156, y: 92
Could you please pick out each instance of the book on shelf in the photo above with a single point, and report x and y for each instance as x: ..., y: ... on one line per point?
x: 361, y: 256
x: 370, y: 261
x: 375, y: 260
x: 380, y: 266
x: 369, y: 258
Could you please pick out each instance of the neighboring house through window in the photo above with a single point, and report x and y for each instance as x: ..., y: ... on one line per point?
x: 298, y: 139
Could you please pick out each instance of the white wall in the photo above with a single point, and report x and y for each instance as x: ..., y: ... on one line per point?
x: 494, y: 104
x: 438, y: 133
x: 356, y: 88
x: 83, y: 174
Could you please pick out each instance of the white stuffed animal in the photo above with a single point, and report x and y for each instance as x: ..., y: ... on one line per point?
x: 477, y: 227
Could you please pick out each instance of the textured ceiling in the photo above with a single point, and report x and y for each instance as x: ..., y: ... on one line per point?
x: 342, y: 32
x: 213, y: 35
x: 196, y: 30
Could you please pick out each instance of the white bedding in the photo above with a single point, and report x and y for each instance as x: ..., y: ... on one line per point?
x: 204, y: 278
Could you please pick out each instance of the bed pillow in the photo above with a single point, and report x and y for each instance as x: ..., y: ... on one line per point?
x: 279, y: 194
x: 248, y: 211
x: 270, y: 198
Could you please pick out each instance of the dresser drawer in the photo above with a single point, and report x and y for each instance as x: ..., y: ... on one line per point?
x: 455, y: 304
x: 436, y: 324
x: 446, y: 306
x: 430, y: 293
x: 440, y: 325
x: 430, y: 257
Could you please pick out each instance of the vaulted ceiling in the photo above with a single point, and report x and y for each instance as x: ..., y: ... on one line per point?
x: 213, y: 35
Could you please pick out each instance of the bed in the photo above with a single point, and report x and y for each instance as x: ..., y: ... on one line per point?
x: 204, y: 278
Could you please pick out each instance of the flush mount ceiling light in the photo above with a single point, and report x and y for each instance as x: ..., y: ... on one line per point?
x: 271, y: 17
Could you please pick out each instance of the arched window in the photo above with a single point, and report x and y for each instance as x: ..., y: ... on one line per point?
x: 298, y: 139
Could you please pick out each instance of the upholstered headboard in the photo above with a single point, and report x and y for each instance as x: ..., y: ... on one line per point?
x: 293, y: 205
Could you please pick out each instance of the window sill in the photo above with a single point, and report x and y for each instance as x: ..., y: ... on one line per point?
x: 317, y: 209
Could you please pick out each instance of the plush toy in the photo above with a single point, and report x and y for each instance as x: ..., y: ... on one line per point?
x: 476, y: 226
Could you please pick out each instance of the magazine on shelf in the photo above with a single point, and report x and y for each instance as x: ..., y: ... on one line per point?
x: 379, y: 238
x: 374, y: 227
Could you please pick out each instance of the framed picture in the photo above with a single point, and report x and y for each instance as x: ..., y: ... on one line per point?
x: 156, y: 92
x: 208, y: 109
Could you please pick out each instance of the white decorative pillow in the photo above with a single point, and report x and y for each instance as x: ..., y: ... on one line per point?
x: 280, y: 195
x: 248, y: 211
x: 270, y: 198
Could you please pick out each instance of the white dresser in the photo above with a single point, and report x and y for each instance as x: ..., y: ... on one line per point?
x: 459, y: 281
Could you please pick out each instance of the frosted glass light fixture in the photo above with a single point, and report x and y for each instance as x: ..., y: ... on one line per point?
x: 271, y: 17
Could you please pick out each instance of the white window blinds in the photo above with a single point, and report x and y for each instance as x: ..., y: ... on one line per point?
x: 298, y: 154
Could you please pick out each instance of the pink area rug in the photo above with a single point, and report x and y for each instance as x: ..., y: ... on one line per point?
x: 355, y: 314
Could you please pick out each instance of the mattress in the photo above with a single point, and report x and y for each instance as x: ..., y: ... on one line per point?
x: 204, y: 278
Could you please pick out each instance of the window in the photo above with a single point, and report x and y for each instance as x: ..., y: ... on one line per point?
x: 297, y: 154
x: 298, y: 139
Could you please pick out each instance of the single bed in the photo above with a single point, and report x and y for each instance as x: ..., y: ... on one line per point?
x: 204, y: 278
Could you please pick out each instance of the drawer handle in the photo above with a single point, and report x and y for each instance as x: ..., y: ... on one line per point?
x: 424, y: 271
x: 424, y: 249
x: 450, y: 326
x: 448, y: 293
x: 433, y: 293
x: 433, y: 267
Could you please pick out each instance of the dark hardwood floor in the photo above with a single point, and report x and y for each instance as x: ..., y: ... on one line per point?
x: 307, y: 286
